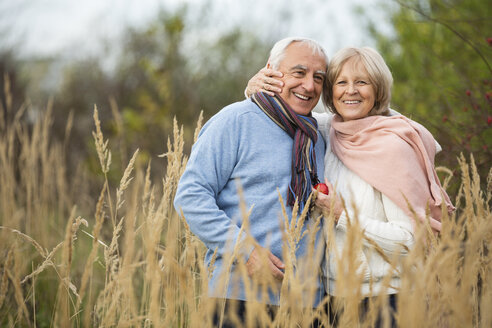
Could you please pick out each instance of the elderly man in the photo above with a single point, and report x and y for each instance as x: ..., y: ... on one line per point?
x: 266, y: 146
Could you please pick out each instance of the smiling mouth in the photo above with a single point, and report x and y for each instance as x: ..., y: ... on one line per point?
x: 301, y: 96
x: 352, y: 102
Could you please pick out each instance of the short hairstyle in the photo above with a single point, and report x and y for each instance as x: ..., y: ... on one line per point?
x: 379, y: 76
x: 277, y: 53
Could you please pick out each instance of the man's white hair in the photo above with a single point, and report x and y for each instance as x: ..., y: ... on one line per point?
x: 277, y: 53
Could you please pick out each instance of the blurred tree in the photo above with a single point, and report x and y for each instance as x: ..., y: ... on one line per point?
x: 226, y: 65
x: 159, y: 72
x: 12, y: 84
x: 164, y: 73
x: 12, y: 87
x: 441, y: 56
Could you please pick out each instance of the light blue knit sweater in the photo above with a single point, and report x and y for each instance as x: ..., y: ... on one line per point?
x: 240, y: 144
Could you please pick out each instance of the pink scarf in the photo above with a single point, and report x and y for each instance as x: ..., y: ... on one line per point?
x: 396, y: 156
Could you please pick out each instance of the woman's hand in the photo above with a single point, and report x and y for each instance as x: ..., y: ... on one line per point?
x: 266, y: 80
x: 330, y: 202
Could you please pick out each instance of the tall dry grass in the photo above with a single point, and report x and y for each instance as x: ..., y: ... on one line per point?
x: 131, y: 260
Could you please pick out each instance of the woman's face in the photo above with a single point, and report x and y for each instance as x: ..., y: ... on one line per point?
x: 353, y: 93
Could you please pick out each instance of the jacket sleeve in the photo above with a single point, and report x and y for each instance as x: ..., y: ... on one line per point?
x: 395, y: 231
x: 208, y: 170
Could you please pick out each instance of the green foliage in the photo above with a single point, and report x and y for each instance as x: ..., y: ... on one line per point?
x: 12, y: 86
x: 440, y: 55
x: 162, y: 71
x: 228, y: 63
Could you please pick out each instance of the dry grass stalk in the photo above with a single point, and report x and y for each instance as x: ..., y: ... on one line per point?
x: 154, y: 224
x: 43, y: 252
x: 233, y: 257
x: 112, y: 254
x: 120, y: 130
x: 66, y: 286
x: 68, y: 129
x: 101, y: 146
x: 8, y: 184
x: 158, y: 277
x: 13, y: 274
x: 28, y: 181
x: 350, y: 273
x: 297, y: 285
x: 99, y: 220
x: 4, y: 282
x: 7, y: 92
x: 129, y: 309
x: 87, y: 274
x: 125, y: 181
x: 113, y: 261
x: 148, y: 193
x: 48, y: 262
x: 447, y: 179
x: 198, y: 126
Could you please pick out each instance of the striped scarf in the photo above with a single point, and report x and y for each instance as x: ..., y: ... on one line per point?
x: 304, y: 131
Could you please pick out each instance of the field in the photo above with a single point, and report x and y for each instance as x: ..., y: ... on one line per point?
x: 120, y: 256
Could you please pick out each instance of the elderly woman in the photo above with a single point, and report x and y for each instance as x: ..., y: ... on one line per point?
x: 379, y: 163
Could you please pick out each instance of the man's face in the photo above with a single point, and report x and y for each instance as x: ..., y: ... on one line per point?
x: 304, y: 74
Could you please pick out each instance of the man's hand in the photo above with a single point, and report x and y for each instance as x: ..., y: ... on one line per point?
x: 256, y: 263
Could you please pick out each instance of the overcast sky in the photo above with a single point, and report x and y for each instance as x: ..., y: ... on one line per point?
x: 54, y: 27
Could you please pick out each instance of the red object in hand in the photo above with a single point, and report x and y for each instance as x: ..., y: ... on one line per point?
x: 321, y: 187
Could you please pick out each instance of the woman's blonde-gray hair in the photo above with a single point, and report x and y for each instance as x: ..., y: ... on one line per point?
x: 379, y: 76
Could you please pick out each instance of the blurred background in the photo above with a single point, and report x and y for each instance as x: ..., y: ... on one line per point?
x: 144, y: 63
